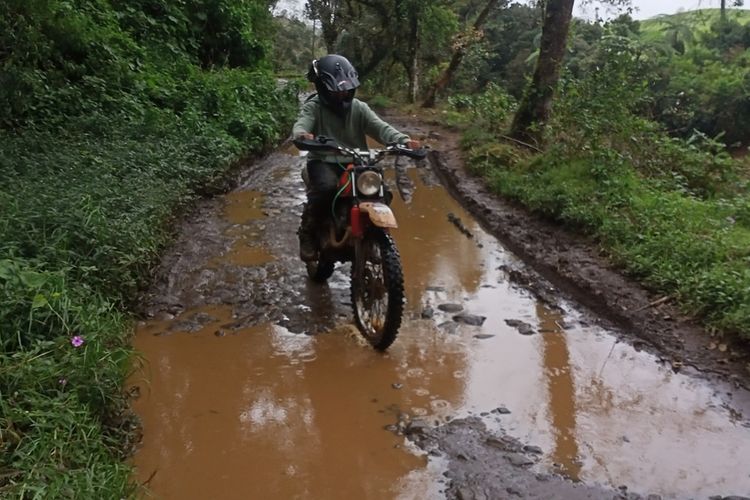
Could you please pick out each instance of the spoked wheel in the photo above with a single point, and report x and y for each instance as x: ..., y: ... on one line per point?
x: 320, y: 270
x: 378, y: 289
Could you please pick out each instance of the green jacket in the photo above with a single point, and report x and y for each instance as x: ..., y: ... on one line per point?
x: 349, y: 131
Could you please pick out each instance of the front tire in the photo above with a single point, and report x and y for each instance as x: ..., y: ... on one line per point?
x: 378, y: 289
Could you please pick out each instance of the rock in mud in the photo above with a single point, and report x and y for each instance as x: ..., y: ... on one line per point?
x: 519, y: 460
x: 428, y: 313
x: 456, y: 221
x: 451, y: 308
x: 418, y: 427
x: 522, y: 327
x: 532, y: 449
x: 449, y: 327
x: 483, y: 336
x: 502, y: 410
x: 484, y: 465
x: 469, y: 319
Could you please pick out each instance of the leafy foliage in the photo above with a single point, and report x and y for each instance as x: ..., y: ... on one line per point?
x: 114, y: 115
x: 672, y: 212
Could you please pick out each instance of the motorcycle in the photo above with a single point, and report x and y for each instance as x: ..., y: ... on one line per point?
x: 358, y: 232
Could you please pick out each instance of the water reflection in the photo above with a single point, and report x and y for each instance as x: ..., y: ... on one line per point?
x: 262, y: 413
x: 433, y: 251
x: 561, y: 389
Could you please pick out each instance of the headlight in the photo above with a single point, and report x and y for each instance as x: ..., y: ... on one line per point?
x: 368, y: 183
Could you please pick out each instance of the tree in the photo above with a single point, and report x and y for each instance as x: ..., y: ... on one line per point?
x: 460, y: 47
x: 677, y: 33
x: 414, y: 10
x: 330, y: 14
x: 536, y: 106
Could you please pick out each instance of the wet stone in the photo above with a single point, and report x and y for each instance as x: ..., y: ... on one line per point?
x: 502, y: 410
x: 522, y: 327
x: 435, y: 288
x: 483, y: 336
x: 417, y: 427
x: 496, y: 443
x: 469, y: 319
x: 220, y: 333
x: 397, y: 385
x: 465, y: 494
x: 451, y: 308
x: 428, y: 313
x: 448, y: 327
x: 519, y: 460
x: 456, y: 221
x: 533, y: 449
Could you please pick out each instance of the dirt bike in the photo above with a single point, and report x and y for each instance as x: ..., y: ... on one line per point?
x: 358, y: 232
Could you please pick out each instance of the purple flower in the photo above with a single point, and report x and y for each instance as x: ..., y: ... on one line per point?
x: 63, y: 381
x: 77, y: 341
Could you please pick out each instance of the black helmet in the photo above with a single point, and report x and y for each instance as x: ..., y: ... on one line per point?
x: 335, y: 80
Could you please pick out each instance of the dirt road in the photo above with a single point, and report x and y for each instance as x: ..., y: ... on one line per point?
x: 256, y: 385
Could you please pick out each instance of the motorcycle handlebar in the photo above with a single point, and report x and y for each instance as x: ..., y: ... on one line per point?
x: 322, y: 143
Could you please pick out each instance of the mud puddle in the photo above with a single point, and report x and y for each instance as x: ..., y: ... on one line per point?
x: 255, y: 384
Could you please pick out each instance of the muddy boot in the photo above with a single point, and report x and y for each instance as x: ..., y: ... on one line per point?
x: 308, y: 248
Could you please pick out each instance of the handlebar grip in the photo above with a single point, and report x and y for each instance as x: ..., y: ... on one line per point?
x: 416, y: 154
x: 320, y: 143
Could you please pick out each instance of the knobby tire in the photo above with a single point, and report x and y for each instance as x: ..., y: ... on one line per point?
x: 393, y: 282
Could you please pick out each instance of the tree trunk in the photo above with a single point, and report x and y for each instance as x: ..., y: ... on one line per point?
x: 536, y: 106
x: 328, y: 12
x: 312, y: 56
x: 330, y: 35
x: 414, y: 44
x: 723, y: 10
x: 458, y: 55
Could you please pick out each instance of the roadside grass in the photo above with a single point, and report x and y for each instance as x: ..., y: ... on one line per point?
x: 672, y: 226
x: 84, y: 212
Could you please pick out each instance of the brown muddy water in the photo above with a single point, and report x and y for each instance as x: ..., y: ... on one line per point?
x: 235, y: 409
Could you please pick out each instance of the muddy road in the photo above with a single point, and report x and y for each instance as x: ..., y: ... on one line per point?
x: 255, y: 384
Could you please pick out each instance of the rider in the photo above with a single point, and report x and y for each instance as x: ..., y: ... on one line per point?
x: 334, y: 113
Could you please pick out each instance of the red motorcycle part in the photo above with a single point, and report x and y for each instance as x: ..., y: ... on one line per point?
x: 358, y: 222
x: 345, y: 181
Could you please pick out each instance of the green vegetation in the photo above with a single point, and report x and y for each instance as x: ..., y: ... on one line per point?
x: 672, y: 210
x: 699, y: 21
x: 114, y: 115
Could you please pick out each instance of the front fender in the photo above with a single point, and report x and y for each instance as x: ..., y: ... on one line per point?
x: 380, y: 214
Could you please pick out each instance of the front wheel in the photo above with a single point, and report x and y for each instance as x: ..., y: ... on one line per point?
x: 377, y: 289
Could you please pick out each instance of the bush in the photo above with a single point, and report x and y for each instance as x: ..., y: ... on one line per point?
x: 671, y: 212
x: 114, y: 115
